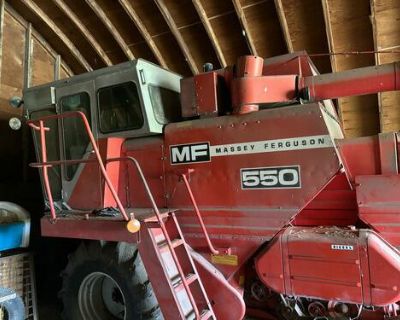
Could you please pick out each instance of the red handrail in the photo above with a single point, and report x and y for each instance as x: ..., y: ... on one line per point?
x: 44, y: 164
x: 163, y: 228
x: 198, y: 214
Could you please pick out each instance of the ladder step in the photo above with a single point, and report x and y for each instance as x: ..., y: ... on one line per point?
x: 204, y: 315
x: 178, y: 284
x: 163, y: 246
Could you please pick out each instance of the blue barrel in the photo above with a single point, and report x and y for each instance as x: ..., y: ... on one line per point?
x: 14, y: 226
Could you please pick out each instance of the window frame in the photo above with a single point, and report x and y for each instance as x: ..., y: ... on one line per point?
x: 150, y: 87
x: 65, y: 175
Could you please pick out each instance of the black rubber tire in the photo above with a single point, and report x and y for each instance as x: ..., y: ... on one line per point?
x: 120, y: 261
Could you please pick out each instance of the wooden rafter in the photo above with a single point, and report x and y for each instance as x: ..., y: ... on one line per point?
x: 284, y: 25
x: 61, y: 35
x: 210, y: 31
x: 144, y: 32
x: 84, y: 31
x: 245, y: 26
x: 111, y: 28
x: 329, y: 35
x: 174, y: 29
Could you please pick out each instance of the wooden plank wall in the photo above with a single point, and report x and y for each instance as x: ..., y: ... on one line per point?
x: 26, y: 59
x: 349, y: 28
x: 385, y: 18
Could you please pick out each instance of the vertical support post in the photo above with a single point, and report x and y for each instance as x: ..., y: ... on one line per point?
x: 57, y: 67
x: 28, y: 57
x: 27, y: 84
x: 1, y: 32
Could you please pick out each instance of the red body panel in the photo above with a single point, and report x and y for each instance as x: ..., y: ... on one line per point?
x: 327, y: 263
x: 380, y: 210
x: 308, y: 252
x: 227, y: 209
x: 336, y: 205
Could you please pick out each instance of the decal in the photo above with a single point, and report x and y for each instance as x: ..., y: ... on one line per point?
x: 203, y: 152
x: 225, y: 259
x: 287, y: 177
x: 290, y: 144
x: 342, y: 247
x: 185, y: 153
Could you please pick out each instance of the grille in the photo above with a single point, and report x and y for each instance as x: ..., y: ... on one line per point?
x: 16, y: 273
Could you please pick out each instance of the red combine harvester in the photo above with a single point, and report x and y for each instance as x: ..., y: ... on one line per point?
x: 244, y: 198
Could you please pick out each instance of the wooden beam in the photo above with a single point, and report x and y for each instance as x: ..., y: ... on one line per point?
x: 61, y: 35
x: 172, y: 26
x: 143, y: 31
x: 28, y: 57
x: 84, y: 31
x: 210, y: 31
x: 395, y: 47
x: 245, y: 26
x: 111, y: 28
x: 57, y: 68
x: 2, y: 2
x: 284, y: 25
x: 329, y: 35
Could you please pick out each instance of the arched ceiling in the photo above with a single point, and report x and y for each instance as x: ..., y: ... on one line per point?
x: 182, y: 35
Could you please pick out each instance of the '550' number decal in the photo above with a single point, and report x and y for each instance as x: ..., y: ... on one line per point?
x: 271, y: 178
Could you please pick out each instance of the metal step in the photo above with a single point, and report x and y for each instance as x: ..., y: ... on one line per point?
x: 163, y: 245
x: 205, y: 315
x: 178, y: 285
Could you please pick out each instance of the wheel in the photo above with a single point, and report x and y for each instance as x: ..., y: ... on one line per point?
x: 107, y: 282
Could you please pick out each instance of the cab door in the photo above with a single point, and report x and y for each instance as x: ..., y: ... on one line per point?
x: 74, y: 140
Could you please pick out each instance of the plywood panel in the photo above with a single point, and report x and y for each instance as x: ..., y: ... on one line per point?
x: 42, y: 64
x: 307, y: 29
x: 64, y: 74
x: 232, y: 41
x: 263, y: 24
x: 159, y: 31
x: 387, y: 35
x: 12, y: 80
x: 12, y: 71
x: 349, y: 29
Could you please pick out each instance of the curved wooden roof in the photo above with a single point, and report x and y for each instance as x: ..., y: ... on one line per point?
x: 182, y: 35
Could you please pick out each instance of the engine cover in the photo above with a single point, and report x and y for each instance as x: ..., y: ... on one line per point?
x: 329, y: 263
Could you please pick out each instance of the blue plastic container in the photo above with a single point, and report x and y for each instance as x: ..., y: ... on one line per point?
x: 14, y: 226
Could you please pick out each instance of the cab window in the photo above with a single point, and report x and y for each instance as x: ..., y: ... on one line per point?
x: 119, y: 108
x: 76, y: 138
x: 166, y: 104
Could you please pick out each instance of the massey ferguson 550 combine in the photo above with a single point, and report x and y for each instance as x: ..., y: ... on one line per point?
x: 232, y: 192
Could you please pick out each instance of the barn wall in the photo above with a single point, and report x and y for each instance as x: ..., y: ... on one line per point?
x: 25, y: 60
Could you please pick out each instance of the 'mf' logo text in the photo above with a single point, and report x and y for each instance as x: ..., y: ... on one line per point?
x: 188, y: 153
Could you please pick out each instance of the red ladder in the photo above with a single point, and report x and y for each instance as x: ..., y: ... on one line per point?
x: 179, y: 269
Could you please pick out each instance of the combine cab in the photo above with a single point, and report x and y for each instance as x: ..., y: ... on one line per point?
x: 229, y: 193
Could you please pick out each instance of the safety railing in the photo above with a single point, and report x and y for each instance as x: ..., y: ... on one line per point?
x: 39, y: 125
x: 197, y: 212
x: 163, y: 228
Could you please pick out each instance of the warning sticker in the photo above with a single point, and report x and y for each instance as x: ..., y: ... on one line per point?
x: 225, y: 259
